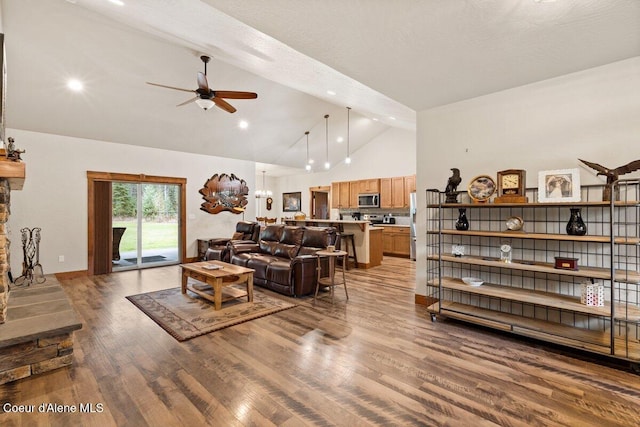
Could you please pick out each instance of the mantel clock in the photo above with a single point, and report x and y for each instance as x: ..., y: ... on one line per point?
x: 511, y: 186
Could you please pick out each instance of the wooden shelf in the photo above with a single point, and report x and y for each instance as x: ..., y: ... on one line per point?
x: 15, y: 172
x: 535, y: 205
x: 539, y: 267
x: 540, y: 236
x: 596, y: 341
x: 548, y: 299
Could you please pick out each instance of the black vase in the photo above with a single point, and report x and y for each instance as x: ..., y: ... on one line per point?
x: 462, y: 222
x: 576, y: 226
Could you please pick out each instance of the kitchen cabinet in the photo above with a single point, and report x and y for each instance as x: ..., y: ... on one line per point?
x: 394, y: 191
x: 340, y: 195
x: 580, y: 291
x: 353, y: 198
x: 396, y: 241
x: 369, y: 186
x: 410, y: 184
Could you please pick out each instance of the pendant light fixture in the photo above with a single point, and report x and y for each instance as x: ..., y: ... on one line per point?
x: 327, y: 165
x: 264, y: 192
x: 308, y: 165
x: 347, y: 160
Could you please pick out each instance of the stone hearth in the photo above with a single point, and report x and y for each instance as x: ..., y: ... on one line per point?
x: 38, y: 334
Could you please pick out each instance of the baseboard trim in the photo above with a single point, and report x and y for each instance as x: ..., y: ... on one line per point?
x: 71, y: 274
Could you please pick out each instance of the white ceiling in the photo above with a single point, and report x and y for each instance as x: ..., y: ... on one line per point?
x: 383, y: 58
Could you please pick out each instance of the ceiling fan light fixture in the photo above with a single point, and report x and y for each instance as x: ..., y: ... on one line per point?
x: 205, y: 104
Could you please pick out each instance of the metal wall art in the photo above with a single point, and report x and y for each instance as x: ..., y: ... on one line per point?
x: 224, y: 193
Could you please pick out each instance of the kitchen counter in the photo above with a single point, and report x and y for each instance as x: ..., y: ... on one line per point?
x: 367, y: 238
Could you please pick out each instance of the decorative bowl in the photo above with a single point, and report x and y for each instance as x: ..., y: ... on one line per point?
x: 472, y: 281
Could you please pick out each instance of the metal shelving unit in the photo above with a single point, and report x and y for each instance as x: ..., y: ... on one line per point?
x: 529, y: 296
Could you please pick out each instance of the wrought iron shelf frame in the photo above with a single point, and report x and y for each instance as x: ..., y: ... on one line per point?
x: 528, y: 296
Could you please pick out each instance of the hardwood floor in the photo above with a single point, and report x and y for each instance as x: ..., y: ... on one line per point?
x: 374, y: 360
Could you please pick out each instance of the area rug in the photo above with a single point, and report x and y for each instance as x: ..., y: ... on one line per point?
x: 188, y: 316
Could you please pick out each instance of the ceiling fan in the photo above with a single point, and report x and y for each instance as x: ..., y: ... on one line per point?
x: 206, y: 97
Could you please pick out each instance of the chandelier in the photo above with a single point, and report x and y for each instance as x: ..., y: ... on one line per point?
x: 264, y: 192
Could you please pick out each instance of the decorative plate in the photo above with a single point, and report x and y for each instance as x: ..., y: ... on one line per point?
x: 481, y: 188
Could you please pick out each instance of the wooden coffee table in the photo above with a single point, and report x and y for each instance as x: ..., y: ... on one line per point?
x: 223, y: 277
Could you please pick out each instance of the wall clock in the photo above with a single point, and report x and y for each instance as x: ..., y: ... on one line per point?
x: 512, y: 186
x: 481, y: 188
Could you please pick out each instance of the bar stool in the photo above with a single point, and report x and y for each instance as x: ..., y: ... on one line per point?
x: 346, y: 238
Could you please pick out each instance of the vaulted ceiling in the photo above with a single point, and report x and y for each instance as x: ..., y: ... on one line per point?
x: 385, y: 59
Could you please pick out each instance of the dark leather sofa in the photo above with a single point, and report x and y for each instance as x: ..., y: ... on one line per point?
x: 284, y: 258
x: 246, y: 231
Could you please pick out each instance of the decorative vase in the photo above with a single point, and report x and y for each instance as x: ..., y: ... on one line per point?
x: 462, y: 223
x: 576, y: 226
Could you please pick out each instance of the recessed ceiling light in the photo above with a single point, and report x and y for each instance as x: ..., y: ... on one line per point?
x: 340, y: 139
x: 243, y: 124
x: 391, y: 118
x: 75, y: 85
x: 117, y: 2
x: 375, y: 119
x: 330, y: 92
x: 544, y: 1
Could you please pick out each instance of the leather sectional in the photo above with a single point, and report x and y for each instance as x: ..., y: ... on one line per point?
x: 284, y: 257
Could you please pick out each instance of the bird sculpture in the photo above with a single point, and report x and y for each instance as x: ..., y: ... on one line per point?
x: 612, y: 176
x: 452, y: 186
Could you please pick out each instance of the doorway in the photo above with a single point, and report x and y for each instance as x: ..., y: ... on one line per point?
x: 134, y: 221
x: 320, y: 202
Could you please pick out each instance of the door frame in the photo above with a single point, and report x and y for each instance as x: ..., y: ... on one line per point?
x: 319, y: 189
x: 94, y: 177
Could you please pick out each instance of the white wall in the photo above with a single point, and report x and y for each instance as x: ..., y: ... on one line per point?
x: 392, y: 153
x: 54, y: 196
x: 593, y: 115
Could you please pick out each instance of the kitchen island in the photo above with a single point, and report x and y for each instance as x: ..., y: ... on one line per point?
x: 368, y: 238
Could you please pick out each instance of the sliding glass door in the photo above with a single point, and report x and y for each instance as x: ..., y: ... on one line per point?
x: 145, y: 220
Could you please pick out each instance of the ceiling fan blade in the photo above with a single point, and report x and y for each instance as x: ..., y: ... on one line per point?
x: 188, y: 101
x: 202, y: 83
x: 170, y: 87
x: 223, y: 104
x: 230, y: 94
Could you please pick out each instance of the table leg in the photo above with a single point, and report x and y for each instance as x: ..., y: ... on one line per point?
x: 185, y: 277
x: 332, y: 272
x: 344, y: 279
x: 217, y: 295
x: 250, y: 287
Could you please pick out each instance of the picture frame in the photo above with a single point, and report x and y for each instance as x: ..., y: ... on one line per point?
x: 292, y: 202
x: 559, y: 186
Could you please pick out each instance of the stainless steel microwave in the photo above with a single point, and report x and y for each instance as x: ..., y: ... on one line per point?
x: 369, y: 200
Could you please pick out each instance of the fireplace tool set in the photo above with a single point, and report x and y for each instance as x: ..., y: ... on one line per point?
x: 31, y: 249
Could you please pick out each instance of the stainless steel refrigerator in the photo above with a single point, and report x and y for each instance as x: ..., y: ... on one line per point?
x: 412, y: 216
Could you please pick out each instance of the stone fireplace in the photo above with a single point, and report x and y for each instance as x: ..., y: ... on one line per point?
x: 36, y: 320
x: 5, y: 192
